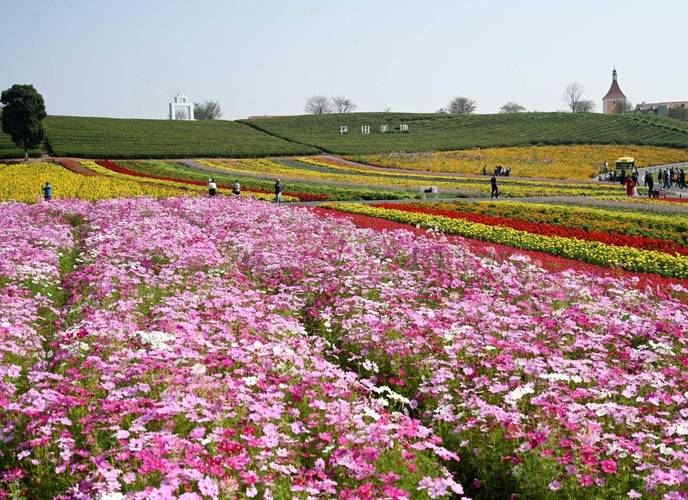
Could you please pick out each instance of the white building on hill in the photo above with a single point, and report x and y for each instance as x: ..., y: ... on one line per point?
x: 181, y: 108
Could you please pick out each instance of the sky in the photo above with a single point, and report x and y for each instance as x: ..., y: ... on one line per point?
x: 129, y: 58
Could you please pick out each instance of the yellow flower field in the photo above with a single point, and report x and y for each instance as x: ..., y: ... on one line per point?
x: 23, y: 182
x: 368, y: 176
x: 555, y: 162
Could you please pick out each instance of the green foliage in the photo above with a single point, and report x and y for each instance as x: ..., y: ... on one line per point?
x: 446, y: 132
x: 22, y: 115
x: 128, y: 138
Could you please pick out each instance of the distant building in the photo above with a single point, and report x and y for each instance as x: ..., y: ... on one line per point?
x: 181, y: 108
x: 661, y: 108
x: 614, y: 100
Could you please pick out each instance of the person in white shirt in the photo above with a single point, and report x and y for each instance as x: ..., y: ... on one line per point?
x: 212, y: 187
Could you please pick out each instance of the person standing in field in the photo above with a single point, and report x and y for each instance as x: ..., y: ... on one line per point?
x: 47, y: 192
x: 495, y: 189
x: 278, y: 191
x: 236, y: 188
x: 650, y: 183
x: 630, y: 186
x: 212, y: 187
x: 682, y: 179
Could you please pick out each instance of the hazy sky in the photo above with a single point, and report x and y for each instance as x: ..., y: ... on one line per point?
x: 125, y: 58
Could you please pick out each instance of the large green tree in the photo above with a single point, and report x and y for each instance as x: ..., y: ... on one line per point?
x: 22, y: 115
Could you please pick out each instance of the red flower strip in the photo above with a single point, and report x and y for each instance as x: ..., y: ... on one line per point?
x: 666, y: 246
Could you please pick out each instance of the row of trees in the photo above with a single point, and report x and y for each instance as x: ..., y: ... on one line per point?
x: 572, y: 97
x: 321, y: 104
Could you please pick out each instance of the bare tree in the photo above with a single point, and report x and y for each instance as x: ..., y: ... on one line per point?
x: 318, y: 105
x: 343, y: 104
x: 511, y: 107
x: 461, y: 106
x: 573, y: 97
x: 208, y: 110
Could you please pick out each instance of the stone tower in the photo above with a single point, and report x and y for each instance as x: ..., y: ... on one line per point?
x: 614, y: 98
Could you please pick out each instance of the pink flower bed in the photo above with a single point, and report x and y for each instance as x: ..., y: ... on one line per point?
x: 171, y: 374
x: 228, y: 347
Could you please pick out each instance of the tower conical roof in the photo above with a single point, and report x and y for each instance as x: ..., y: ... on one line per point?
x: 614, y: 91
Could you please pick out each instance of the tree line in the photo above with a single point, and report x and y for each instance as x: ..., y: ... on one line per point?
x: 572, y: 96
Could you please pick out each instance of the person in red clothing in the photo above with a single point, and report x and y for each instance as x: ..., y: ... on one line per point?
x: 630, y: 185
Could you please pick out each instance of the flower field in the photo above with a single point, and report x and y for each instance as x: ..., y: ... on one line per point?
x: 667, y: 233
x: 23, y: 182
x: 263, y: 182
x: 112, y: 169
x: 600, y: 249
x: 335, y: 173
x: 557, y: 162
x: 278, y: 353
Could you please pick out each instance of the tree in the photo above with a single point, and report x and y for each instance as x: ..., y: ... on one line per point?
x: 342, y: 104
x: 623, y: 107
x: 208, y: 110
x: 22, y: 114
x: 573, y: 97
x: 461, y: 106
x: 511, y: 107
x: 318, y: 105
x: 586, y: 106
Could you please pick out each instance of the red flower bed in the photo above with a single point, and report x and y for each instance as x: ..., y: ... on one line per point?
x: 642, y: 242
x: 115, y: 167
x: 76, y: 167
x: 546, y: 261
x: 675, y: 200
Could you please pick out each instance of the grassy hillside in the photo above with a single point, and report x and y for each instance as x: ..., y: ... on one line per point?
x: 9, y: 150
x: 445, y: 132
x: 131, y: 138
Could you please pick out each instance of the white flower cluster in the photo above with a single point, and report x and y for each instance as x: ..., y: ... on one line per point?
x: 156, y: 339
x: 517, y: 394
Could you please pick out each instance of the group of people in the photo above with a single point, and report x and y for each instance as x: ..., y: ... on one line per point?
x: 667, y: 178
x: 212, y: 189
x: 499, y: 170
x: 236, y: 189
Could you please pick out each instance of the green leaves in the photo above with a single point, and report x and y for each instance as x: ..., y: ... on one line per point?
x: 22, y: 116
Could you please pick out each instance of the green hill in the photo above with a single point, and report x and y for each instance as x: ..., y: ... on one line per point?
x: 296, y: 135
x: 132, y: 138
x: 446, y: 132
x: 9, y: 150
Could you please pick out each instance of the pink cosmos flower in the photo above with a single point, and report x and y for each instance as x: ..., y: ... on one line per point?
x: 608, y: 466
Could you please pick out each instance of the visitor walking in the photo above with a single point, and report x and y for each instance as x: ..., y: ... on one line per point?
x: 660, y: 178
x: 495, y: 189
x: 645, y: 178
x: 212, y: 187
x: 278, y: 191
x: 682, y: 179
x: 47, y: 192
x: 650, y: 183
x: 236, y: 188
x: 629, y: 186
